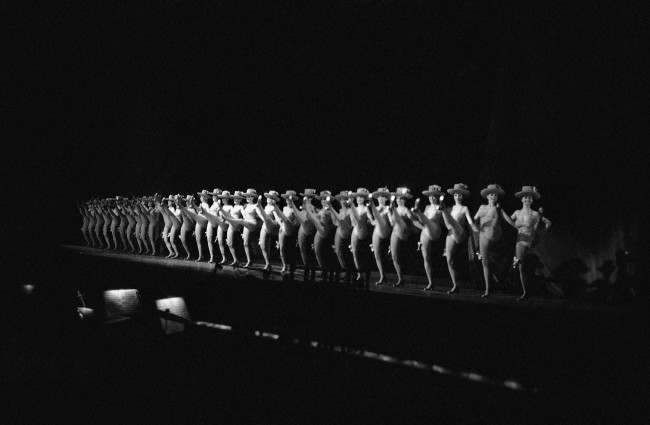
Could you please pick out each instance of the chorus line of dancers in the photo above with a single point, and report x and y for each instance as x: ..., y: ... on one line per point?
x: 367, y: 225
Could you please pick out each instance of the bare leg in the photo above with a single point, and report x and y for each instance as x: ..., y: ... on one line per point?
x: 84, y: 233
x: 283, y: 245
x: 230, y: 241
x: 304, y: 246
x: 395, y: 250
x: 151, y: 235
x: 520, y: 251
x: 246, y: 236
x: 221, y: 239
x: 450, y: 252
x: 172, y: 240
x: 265, y: 247
x: 198, y: 231
x: 106, y: 238
x: 426, y: 244
x: 455, y: 229
x: 209, y: 234
x: 484, y: 249
x: 356, y: 255
x: 377, y: 248
x: 183, y: 236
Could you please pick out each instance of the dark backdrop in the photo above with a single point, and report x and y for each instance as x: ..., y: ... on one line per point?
x: 141, y: 97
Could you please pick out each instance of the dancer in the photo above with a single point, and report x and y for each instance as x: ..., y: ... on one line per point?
x: 489, y: 229
x: 200, y: 220
x: 84, y: 223
x: 458, y: 222
x: 528, y: 223
x: 342, y: 236
x: 249, y: 221
x: 306, y: 232
x: 234, y: 219
x: 91, y: 223
x: 211, y: 212
x: 122, y: 221
x: 378, y: 216
x: 270, y: 226
x: 106, y: 217
x: 153, y: 217
x: 161, y: 207
x: 402, y: 221
x: 131, y: 224
x: 99, y: 222
x: 360, y: 233
x: 188, y: 216
x: 429, y: 224
x: 223, y: 208
x: 288, y: 232
x: 115, y: 219
x: 324, y: 237
x: 176, y: 221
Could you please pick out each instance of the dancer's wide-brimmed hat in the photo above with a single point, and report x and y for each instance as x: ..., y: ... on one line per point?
x: 434, y: 190
x: 344, y: 194
x: 324, y: 194
x: 361, y: 191
x: 492, y: 188
x: 250, y: 193
x: 204, y: 192
x: 310, y: 193
x: 216, y: 191
x: 402, y: 192
x: 382, y: 191
x: 528, y: 191
x: 225, y: 194
x: 272, y: 194
x: 238, y: 195
x: 169, y: 198
x: 459, y: 188
x: 289, y: 194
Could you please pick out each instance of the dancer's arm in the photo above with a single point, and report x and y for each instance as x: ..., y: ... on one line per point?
x: 311, y: 216
x: 372, y: 213
x: 300, y: 216
x: 283, y: 218
x: 508, y: 219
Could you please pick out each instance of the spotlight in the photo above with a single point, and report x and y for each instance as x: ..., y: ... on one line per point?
x: 119, y: 304
x: 27, y: 289
x: 175, y: 306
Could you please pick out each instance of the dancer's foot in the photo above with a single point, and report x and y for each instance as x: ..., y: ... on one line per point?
x: 248, y: 264
x: 429, y: 287
x: 523, y: 296
x: 198, y: 260
x: 175, y: 256
x: 380, y: 281
x: 211, y: 260
x: 398, y: 283
x: 283, y: 270
x: 234, y: 263
x: 188, y: 257
x: 358, y: 276
x: 223, y: 261
x: 453, y: 290
x: 267, y: 267
x: 485, y: 295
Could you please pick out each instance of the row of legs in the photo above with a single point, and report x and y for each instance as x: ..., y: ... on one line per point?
x: 145, y: 239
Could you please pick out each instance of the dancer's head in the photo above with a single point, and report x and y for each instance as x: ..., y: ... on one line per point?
x: 528, y: 194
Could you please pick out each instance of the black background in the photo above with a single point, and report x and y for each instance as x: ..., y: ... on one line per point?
x: 141, y: 97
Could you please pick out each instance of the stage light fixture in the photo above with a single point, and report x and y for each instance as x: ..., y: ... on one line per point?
x: 119, y: 304
x: 175, y: 306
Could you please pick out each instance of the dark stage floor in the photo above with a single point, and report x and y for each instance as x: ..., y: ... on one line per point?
x: 251, y: 357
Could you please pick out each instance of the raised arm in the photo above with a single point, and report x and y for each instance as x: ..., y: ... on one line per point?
x: 508, y: 219
x: 300, y: 216
x: 311, y: 216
